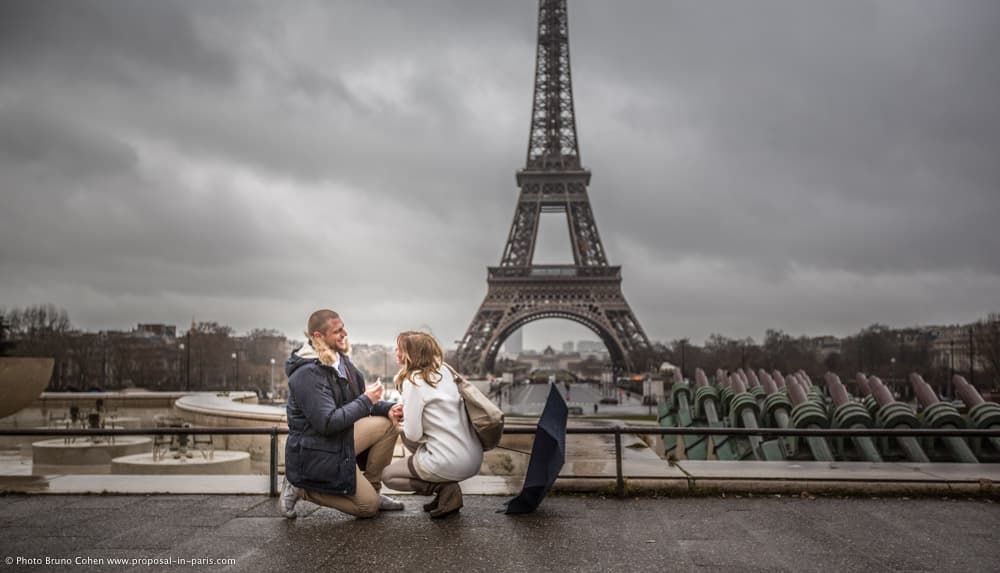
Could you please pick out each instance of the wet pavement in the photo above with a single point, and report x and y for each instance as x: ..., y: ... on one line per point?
x: 567, y: 533
x: 719, y: 516
x: 529, y: 400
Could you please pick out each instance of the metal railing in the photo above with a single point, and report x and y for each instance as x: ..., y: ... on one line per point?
x: 617, y: 432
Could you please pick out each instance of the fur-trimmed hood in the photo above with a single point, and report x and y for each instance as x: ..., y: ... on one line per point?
x: 314, y: 351
x: 300, y: 357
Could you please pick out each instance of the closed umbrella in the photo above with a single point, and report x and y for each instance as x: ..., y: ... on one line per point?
x: 547, y: 455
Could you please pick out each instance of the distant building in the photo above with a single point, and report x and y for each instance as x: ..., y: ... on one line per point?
x: 950, y: 348
x: 913, y: 337
x: 568, y: 346
x: 824, y: 346
x: 515, y: 342
x: 375, y: 360
x: 549, y: 359
x: 161, y: 330
x: 592, y: 348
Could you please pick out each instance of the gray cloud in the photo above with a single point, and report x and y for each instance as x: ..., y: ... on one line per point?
x: 802, y: 165
x: 114, y: 40
x: 857, y: 137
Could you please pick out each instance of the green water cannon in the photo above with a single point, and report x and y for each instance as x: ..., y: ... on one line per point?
x: 680, y: 395
x: 706, y: 399
x: 680, y: 401
x: 865, y: 393
x: 846, y: 412
x: 744, y: 411
x: 893, y: 414
x: 724, y: 385
x: 752, y: 383
x: 775, y: 412
x: 743, y: 408
x: 808, y: 413
x: 814, y: 391
x: 779, y: 380
x: 982, y: 415
x: 850, y: 414
x: 806, y: 410
x: 776, y: 407
x: 938, y: 414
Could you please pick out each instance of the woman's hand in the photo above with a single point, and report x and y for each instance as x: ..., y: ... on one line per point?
x: 396, y: 414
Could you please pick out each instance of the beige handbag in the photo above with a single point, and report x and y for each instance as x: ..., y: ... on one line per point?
x: 486, y: 417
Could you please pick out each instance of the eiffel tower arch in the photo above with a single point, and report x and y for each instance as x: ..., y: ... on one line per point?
x: 553, y: 181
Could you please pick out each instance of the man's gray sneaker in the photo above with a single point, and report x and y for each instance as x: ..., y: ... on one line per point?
x: 386, y: 503
x: 289, y: 497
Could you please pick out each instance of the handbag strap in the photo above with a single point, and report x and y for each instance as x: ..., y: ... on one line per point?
x: 454, y: 373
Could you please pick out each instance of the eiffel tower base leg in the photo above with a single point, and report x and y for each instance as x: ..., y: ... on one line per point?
x: 594, y: 300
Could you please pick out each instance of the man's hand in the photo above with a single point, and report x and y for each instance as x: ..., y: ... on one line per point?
x: 396, y: 414
x: 374, y: 392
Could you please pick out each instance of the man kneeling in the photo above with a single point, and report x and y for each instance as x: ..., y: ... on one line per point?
x: 340, y: 434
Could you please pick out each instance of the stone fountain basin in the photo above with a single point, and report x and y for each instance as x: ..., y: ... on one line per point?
x: 82, y: 451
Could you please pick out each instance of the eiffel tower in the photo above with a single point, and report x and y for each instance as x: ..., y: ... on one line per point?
x: 553, y: 181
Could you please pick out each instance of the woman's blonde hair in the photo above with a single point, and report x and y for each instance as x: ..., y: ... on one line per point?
x: 421, y: 355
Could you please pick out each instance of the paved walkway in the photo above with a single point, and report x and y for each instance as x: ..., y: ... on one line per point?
x: 568, y: 533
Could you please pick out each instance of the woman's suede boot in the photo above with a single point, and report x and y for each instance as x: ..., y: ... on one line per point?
x: 420, y: 487
x: 432, y: 504
x: 449, y: 499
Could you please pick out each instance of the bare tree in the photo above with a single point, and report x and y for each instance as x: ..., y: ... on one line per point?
x: 986, y: 338
x: 86, y: 354
x: 211, y: 351
x: 42, y: 330
x: 783, y: 352
x: 6, y: 344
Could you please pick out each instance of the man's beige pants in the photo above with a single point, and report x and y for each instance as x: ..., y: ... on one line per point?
x: 377, y: 435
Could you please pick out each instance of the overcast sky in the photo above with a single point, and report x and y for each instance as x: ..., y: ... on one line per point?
x: 812, y: 166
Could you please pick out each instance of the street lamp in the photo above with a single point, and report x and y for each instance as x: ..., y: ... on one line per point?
x: 236, y: 368
x: 892, y: 371
x: 180, y: 347
x: 271, y: 383
x: 951, y: 359
x: 682, y: 359
x: 187, y: 370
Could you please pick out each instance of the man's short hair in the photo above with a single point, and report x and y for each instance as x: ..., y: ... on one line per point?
x: 320, y: 321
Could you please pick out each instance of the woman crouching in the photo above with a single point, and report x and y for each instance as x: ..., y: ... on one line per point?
x: 435, y: 428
